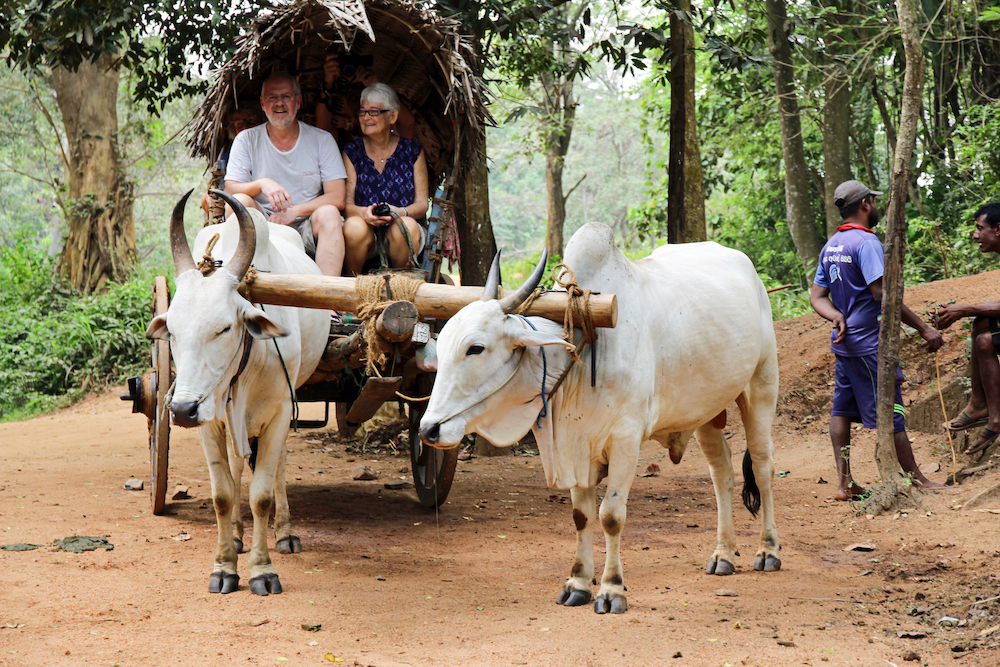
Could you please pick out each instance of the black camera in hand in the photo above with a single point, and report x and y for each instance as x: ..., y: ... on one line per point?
x: 382, y: 210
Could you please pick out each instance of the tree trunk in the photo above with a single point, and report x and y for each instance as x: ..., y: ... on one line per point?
x: 475, y: 229
x: 560, y: 114
x: 891, y: 491
x: 802, y: 227
x: 557, y: 203
x: 101, y: 242
x: 836, y: 130
x: 685, y: 195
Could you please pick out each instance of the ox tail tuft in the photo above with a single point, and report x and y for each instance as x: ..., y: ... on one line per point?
x: 751, y: 494
x: 253, y: 466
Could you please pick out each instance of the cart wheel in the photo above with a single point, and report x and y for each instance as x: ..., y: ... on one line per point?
x: 159, y: 423
x: 433, y: 468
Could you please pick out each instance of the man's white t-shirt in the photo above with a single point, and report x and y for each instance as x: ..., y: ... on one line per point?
x: 314, y: 159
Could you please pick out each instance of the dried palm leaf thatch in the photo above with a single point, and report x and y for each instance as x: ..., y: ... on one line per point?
x: 420, y: 54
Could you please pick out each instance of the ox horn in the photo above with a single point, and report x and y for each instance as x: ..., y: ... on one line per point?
x: 247, y: 246
x: 511, y: 303
x: 492, y: 289
x: 183, y: 261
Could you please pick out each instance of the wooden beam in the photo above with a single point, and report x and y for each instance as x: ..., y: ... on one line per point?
x: 437, y: 301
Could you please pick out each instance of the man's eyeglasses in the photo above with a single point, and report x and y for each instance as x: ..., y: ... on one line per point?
x: 274, y: 99
x: 372, y: 112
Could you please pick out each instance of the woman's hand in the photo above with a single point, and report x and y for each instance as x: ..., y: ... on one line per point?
x: 375, y: 220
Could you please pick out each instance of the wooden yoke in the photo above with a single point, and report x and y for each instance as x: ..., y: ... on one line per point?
x: 436, y: 301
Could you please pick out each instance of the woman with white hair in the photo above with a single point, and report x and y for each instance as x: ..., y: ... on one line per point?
x: 386, y: 172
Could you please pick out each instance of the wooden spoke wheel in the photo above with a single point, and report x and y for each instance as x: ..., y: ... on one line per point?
x: 433, y: 468
x: 159, y: 422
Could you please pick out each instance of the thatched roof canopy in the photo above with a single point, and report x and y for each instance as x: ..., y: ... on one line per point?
x: 420, y: 54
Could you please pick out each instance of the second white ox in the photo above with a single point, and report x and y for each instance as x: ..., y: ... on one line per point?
x: 694, y: 334
x: 227, y: 384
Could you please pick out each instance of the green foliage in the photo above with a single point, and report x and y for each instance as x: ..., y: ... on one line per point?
x: 168, y: 46
x: 56, y: 343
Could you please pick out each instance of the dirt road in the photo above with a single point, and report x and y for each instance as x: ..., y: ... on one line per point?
x: 475, y: 583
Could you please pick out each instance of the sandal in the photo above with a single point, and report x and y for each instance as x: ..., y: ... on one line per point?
x: 991, y: 437
x: 963, y: 421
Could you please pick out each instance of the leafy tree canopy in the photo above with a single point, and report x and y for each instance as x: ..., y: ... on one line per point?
x: 165, y: 44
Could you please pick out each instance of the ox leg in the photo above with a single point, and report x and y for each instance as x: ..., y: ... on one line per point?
x: 236, y: 469
x: 719, y: 456
x: 758, y: 413
x: 286, y: 541
x: 576, y: 590
x: 270, y: 447
x: 621, y: 472
x: 224, y: 578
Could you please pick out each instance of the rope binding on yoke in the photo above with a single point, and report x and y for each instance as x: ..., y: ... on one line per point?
x: 375, y: 293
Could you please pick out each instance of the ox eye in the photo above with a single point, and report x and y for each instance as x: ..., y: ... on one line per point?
x: 475, y: 349
x: 226, y: 330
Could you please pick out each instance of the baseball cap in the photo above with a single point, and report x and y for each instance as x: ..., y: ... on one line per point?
x: 849, y: 192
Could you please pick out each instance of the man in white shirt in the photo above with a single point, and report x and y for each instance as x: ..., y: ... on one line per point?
x: 293, y: 173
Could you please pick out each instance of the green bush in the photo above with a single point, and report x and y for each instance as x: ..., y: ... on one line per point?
x: 57, y: 344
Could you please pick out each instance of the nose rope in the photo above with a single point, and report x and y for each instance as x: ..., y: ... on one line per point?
x: 546, y: 396
x: 502, y: 385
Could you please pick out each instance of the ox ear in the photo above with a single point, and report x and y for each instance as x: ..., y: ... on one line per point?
x: 260, y: 325
x: 158, y: 328
x: 532, y: 338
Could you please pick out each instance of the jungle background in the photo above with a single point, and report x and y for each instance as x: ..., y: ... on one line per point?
x: 670, y: 121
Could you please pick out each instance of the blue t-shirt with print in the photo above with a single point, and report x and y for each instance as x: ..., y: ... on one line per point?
x: 851, y: 261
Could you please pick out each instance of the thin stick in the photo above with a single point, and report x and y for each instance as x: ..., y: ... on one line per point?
x: 778, y: 289
x: 944, y: 411
x: 986, y: 600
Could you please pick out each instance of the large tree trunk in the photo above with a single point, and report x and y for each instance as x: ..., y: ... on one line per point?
x: 685, y: 195
x: 475, y: 228
x: 560, y: 113
x: 802, y: 227
x: 836, y: 130
x: 890, y: 491
x: 101, y: 241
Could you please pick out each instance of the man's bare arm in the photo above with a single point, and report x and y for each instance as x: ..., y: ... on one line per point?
x: 819, y: 297
x: 910, y: 318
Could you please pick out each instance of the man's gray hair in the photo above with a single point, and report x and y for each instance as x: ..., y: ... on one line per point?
x: 381, y: 93
x: 282, y: 75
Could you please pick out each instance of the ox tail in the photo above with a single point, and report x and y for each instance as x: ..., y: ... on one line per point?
x: 751, y: 494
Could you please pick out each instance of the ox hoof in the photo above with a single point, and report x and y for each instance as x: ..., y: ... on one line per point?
x: 238, y: 545
x: 767, y: 563
x: 574, y: 597
x: 264, y: 584
x: 289, y: 545
x: 610, y: 602
x: 720, y: 567
x: 223, y: 582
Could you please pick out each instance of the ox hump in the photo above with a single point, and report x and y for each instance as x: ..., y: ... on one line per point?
x: 591, y: 248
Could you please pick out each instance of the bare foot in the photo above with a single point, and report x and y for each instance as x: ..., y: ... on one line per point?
x: 855, y: 492
x: 928, y: 484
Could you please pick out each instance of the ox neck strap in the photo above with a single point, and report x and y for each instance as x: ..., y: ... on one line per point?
x: 247, y: 348
x: 545, y: 371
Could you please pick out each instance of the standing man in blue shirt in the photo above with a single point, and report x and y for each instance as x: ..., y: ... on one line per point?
x: 847, y: 291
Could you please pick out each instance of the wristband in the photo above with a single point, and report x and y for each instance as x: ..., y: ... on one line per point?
x: 404, y: 212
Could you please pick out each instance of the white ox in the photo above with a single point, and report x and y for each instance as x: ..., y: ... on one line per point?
x: 694, y: 334
x: 227, y: 384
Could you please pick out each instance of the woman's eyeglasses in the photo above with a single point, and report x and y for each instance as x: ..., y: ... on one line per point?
x: 372, y: 112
